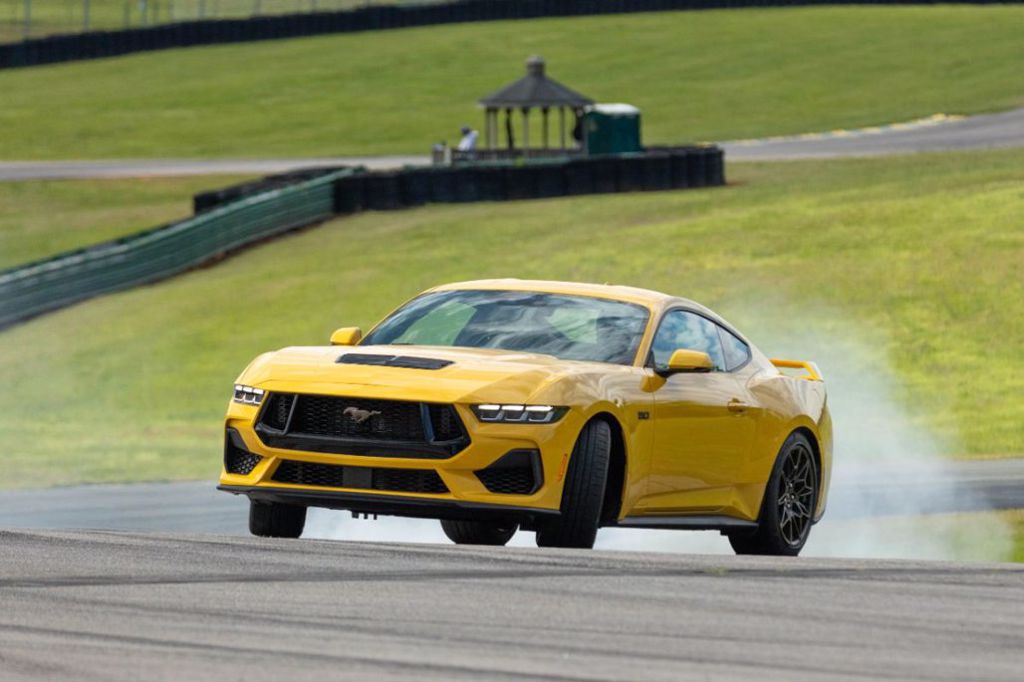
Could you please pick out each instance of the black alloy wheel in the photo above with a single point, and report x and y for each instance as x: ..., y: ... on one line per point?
x: 797, y: 488
x: 787, y: 512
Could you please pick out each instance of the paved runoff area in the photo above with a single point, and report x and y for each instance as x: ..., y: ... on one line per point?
x: 121, y: 606
x: 198, y: 507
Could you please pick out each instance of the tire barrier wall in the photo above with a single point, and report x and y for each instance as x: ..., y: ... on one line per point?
x: 46, y: 285
x: 215, y: 230
x: 97, y: 44
x: 664, y: 169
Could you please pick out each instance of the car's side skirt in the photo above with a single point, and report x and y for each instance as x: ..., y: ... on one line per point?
x: 703, y: 522
x: 393, y: 505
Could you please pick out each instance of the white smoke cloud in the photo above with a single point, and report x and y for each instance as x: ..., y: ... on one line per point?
x: 885, y: 461
x: 890, y: 470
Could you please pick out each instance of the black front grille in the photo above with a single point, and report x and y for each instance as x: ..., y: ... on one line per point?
x: 238, y: 460
x: 516, y: 473
x: 319, y: 415
x: 360, y: 426
x: 363, y: 478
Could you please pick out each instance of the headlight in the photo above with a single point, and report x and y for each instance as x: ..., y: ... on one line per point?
x: 519, y: 414
x: 247, y: 395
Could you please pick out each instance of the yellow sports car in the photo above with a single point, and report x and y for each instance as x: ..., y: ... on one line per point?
x: 547, y: 406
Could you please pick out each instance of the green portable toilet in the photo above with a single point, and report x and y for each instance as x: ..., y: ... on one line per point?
x: 612, y: 129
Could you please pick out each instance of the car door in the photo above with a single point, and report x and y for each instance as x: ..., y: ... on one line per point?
x: 704, y: 428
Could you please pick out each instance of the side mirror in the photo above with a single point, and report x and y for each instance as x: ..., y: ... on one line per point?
x: 685, y: 361
x: 346, y: 336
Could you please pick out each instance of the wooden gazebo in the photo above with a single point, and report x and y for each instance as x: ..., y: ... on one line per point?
x: 533, y: 91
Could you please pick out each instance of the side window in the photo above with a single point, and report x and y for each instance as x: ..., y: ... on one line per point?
x: 682, y: 329
x: 736, y: 352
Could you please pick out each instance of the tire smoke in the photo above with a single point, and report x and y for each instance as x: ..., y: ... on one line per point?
x: 894, y: 484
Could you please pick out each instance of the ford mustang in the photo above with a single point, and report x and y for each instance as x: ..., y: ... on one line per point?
x: 552, y: 407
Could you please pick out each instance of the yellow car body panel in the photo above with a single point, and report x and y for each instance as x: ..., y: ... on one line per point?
x: 700, y: 444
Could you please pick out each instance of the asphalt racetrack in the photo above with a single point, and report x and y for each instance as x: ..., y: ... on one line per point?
x: 189, y: 596
x: 113, y: 606
x: 987, y: 131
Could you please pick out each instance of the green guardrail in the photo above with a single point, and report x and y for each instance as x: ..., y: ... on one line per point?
x: 29, y: 290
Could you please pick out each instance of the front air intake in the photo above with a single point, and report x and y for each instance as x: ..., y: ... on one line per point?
x: 518, y: 472
x: 360, y: 478
x: 238, y: 460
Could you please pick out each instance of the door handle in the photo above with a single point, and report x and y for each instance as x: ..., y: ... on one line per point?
x: 736, y: 405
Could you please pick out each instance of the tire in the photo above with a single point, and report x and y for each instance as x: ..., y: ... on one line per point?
x: 276, y: 520
x: 478, y: 532
x: 790, y: 498
x: 583, y: 494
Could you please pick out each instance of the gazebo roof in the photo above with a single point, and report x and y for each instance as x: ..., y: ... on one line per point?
x: 535, y: 89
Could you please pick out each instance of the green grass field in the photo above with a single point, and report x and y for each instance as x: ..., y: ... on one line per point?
x: 917, y: 261
x: 40, y: 219
x: 707, y: 75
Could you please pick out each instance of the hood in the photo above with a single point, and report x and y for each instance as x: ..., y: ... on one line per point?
x: 455, y: 375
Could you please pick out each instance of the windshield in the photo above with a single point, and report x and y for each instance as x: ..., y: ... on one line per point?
x: 567, y: 327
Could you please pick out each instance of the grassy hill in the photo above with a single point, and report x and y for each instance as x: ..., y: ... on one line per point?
x: 902, y: 276
x: 707, y: 75
x: 39, y: 219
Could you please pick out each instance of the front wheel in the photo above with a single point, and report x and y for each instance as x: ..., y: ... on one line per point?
x: 583, y: 494
x: 276, y: 520
x: 478, y: 532
x: 787, y: 511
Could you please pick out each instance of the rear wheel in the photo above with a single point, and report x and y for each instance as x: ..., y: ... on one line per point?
x: 478, y: 532
x: 276, y: 520
x: 583, y: 494
x: 790, y: 498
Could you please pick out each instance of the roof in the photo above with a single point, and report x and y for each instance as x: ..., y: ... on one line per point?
x: 535, y: 89
x: 613, y: 291
x: 616, y: 109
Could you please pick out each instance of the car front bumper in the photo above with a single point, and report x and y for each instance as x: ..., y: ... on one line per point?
x: 464, y: 496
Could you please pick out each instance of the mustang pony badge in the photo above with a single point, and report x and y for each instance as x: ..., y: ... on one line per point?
x: 359, y: 416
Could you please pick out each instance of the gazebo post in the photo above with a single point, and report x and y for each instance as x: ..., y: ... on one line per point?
x: 526, y: 131
x: 561, y: 126
x: 487, y: 128
x: 509, y: 138
x: 544, y: 111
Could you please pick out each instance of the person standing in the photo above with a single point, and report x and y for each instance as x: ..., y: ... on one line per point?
x: 468, y: 141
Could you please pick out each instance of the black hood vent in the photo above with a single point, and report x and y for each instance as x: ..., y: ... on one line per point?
x: 406, y: 361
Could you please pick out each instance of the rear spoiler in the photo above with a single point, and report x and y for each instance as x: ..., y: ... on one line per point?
x: 813, y: 373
